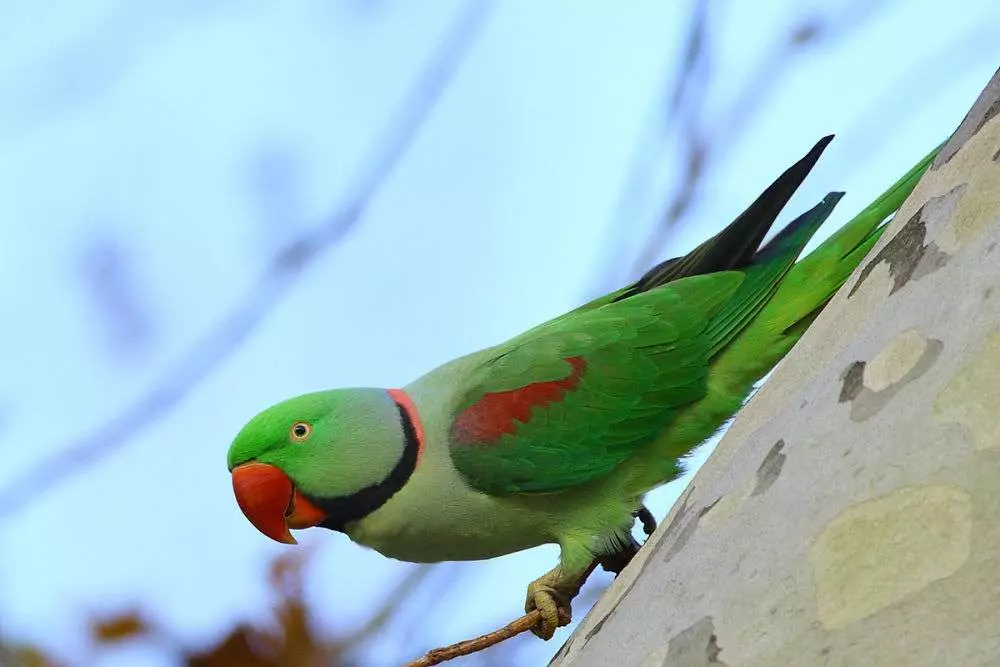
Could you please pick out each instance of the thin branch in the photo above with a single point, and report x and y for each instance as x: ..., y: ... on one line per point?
x: 469, y: 646
x: 272, y: 285
x: 695, y: 54
x: 688, y: 78
x: 687, y: 106
x: 804, y: 34
x: 110, y: 280
x: 512, y: 629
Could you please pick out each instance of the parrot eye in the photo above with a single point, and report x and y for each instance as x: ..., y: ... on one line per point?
x: 301, y: 431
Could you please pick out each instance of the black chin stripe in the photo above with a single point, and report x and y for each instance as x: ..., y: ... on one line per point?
x: 345, y: 509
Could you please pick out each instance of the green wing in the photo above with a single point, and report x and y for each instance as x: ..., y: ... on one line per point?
x: 569, y: 401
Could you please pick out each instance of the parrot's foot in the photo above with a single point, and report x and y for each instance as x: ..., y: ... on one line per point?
x: 552, y: 595
x: 647, y: 519
x: 615, y: 562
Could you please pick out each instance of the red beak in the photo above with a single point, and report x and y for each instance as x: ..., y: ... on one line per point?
x: 271, y: 502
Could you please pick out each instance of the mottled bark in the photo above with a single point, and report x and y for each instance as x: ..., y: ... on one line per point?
x: 851, y: 515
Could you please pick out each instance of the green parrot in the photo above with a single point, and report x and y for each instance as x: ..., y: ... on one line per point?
x: 555, y: 435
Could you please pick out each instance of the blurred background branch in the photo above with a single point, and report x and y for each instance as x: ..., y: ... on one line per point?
x: 705, y: 137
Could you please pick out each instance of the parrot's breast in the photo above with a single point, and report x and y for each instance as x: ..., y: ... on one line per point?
x: 437, y: 517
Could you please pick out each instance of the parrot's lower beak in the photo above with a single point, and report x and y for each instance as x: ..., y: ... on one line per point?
x: 271, y: 502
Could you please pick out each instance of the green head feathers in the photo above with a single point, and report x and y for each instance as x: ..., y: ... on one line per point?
x: 331, y: 444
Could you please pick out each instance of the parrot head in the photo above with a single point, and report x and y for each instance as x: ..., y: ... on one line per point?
x: 321, y: 459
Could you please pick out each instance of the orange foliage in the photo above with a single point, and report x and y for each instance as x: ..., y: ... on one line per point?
x: 292, y: 643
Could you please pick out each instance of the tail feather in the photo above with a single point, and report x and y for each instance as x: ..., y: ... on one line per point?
x: 814, y: 279
x: 780, y: 296
x: 766, y: 273
x: 805, y: 289
x: 768, y: 314
x: 736, y: 245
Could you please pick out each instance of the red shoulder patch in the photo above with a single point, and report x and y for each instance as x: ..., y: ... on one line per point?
x: 495, y: 414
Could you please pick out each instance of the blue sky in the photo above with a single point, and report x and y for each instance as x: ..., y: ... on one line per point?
x: 201, y: 139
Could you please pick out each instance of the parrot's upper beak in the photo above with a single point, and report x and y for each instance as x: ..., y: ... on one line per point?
x: 271, y: 502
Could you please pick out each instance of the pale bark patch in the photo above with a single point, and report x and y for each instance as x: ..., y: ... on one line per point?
x: 970, y: 397
x: 895, y: 360
x: 877, y: 552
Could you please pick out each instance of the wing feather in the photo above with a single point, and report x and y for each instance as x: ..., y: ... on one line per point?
x: 569, y: 401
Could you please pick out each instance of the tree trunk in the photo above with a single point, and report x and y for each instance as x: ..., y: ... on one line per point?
x: 851, y: 515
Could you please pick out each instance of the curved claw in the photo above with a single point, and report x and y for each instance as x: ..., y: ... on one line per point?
x: 552, y: 603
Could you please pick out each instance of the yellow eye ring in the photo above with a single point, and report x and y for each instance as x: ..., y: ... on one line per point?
x: 301, y: 431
